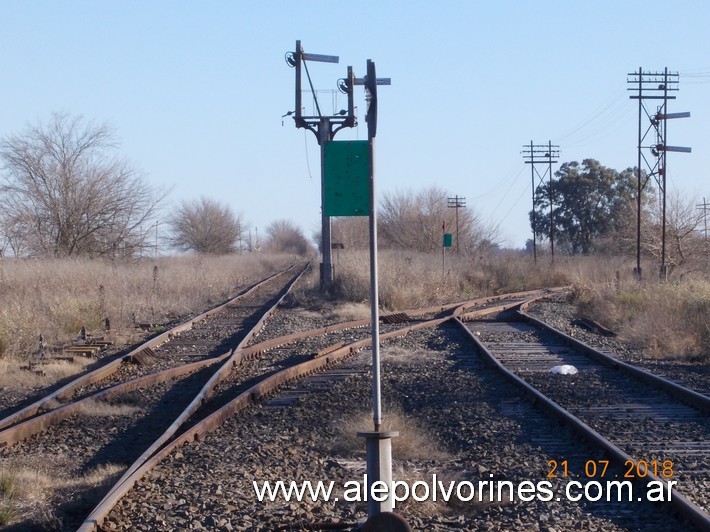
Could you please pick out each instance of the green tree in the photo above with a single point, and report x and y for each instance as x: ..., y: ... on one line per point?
x: 590, y: 202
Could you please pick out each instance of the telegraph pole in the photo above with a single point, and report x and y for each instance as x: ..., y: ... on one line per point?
x: 653, y: 86
x: 704, y: 206
x: 456, y: 203
x: 541, y: 154
x: 324, y: 128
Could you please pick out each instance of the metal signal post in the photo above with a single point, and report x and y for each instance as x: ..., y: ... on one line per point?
x: 324, y: 128
x: 378, y: 442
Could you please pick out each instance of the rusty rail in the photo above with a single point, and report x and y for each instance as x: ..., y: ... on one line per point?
x: 111, y: 367
x: 244, y: 400
x: 233, y: 360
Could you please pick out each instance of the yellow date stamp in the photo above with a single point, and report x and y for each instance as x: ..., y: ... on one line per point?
x: 600, y: 469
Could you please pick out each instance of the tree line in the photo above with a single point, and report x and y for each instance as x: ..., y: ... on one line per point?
x: 64, y: 191
x: 593, y: 209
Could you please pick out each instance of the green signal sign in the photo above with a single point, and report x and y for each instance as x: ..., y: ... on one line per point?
x: 346, y: 183
x: 448, y: 239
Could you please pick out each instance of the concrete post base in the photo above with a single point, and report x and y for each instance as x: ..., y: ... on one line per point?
x: 378, y: 445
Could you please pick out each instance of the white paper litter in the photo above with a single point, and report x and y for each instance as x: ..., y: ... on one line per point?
x: 564, y: 370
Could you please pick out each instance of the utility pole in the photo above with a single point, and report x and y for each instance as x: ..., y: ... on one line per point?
x: 704, y: 206
x: 156, y: 238
x: 653, y: 86
x: 542, y: 154
x: 456, y: 203
x: 324, y: 128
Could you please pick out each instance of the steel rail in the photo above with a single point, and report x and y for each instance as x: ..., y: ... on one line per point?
x: 235, y: 359
x: 679, y: 502
x: 528, y: 295
x: 111, y: 367
x: 692, y: 398
x: 30, y: 427
x: 244, y: 400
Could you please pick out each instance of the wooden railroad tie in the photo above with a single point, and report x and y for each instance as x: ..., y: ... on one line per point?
x: 393, y: 319
x: 144, y: 357
x: 84, y: 350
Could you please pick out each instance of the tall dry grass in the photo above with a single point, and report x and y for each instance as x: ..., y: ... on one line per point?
x: 667, y: 320
x: 56, y: 298
x: 408, y: 280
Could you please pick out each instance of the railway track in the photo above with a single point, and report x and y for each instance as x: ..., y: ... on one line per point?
x: 102, y: 421
x: 315, y: 361
x: 291, y: 434
x: 653, y: 427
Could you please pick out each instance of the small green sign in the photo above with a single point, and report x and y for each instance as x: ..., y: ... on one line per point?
x: 346, y: 180
x: 447, y: 240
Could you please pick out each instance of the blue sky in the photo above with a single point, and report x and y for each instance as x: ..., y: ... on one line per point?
x: 196, y: 91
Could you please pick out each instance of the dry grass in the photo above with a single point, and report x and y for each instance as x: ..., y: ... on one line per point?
x: 668, y: 320
x: 409, y: 280
x: 16, y: 380
x: 56, y: 298
x: 98, y: 408
x: 27, y: 492
x: 413, y: 443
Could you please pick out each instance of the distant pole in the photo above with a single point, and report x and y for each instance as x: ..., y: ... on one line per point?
x: 654, y: 86
x: 541, y: 154
x: 456, y: 203
x: 532, y: 176
x: 552, y: 212
x: 704, y: 207
x: 156, y: 239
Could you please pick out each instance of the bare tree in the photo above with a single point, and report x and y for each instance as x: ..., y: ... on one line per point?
x: 63, y: 193
x: 353, y: 232
x: 416, y: 221
x: 685, y: 250
x: 205, y: 226
x: 285, y: 237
